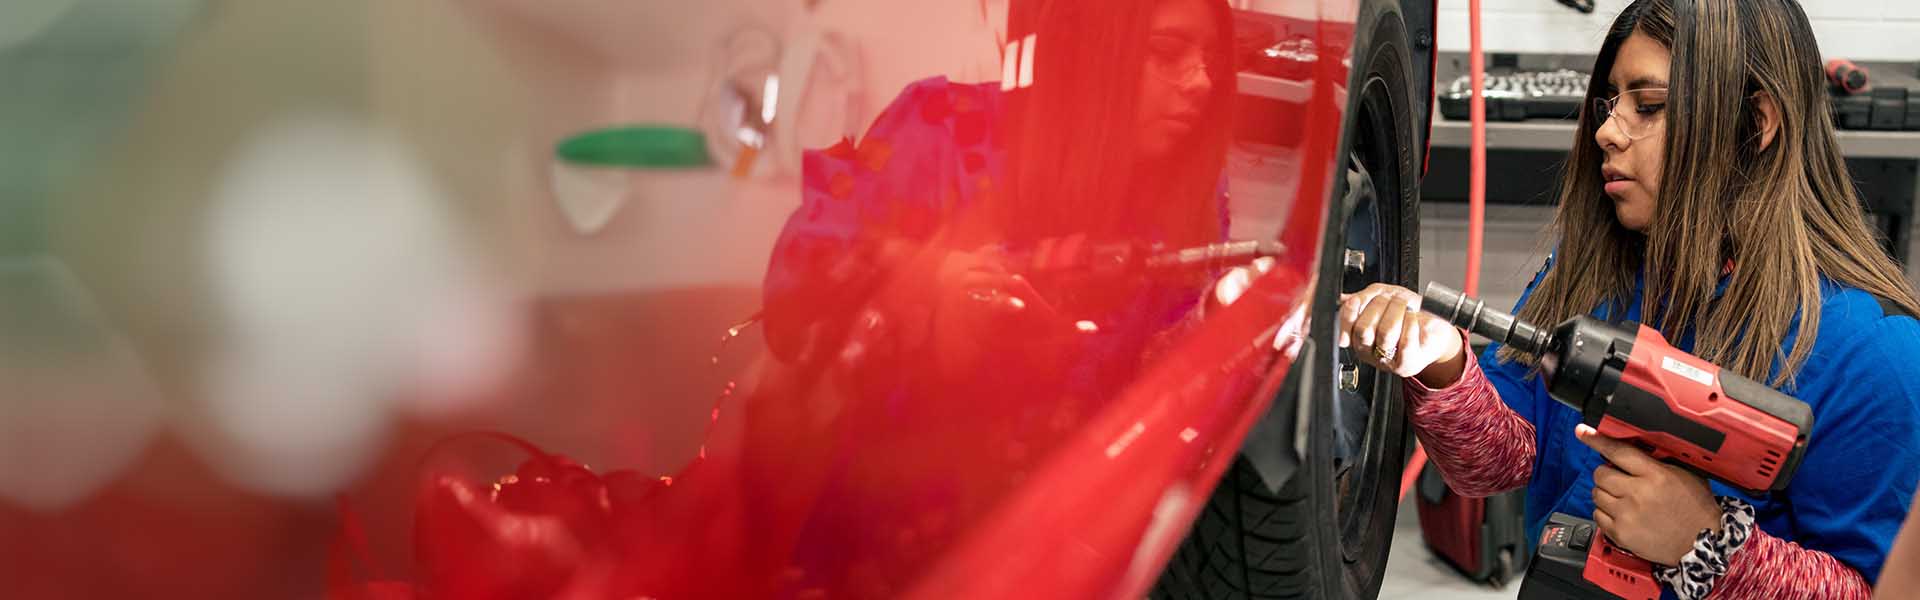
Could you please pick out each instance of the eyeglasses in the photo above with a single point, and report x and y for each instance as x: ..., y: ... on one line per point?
x: 1645, y: 111
x: 1175, y: 60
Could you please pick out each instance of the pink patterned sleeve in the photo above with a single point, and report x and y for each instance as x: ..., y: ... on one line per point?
x: 1771, y: 568
x: 1480, y: 445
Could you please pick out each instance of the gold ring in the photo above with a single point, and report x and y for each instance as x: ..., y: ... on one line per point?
x: 1382, y: 353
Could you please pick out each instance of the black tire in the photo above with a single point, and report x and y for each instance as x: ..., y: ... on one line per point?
x: 1310, y: 540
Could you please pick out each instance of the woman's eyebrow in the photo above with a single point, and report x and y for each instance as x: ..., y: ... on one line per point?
x: 1186, y: 34
x: 1639, y: 82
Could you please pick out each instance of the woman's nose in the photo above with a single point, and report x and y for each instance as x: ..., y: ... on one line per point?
x: 1197, y: 84
x: 1611, y: 136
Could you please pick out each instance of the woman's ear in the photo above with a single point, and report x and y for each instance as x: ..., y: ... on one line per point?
x: 1768, y: 111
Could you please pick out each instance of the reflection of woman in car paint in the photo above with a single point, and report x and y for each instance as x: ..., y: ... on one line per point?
x: 907, y: 277
x: 1120, y: 138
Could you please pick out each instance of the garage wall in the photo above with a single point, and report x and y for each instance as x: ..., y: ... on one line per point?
x: 1516, y: 246
x: 1857, y: 29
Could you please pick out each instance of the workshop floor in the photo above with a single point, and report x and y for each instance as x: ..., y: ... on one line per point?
x: 1414, y: 572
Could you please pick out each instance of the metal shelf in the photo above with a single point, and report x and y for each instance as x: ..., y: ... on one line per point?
x: 1557, y: 136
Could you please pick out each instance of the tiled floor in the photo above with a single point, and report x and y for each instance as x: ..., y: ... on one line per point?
x: 1413, y: 572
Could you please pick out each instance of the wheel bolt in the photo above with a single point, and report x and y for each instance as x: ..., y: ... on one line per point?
x: 1356, y: 260
x: 1349, y: 377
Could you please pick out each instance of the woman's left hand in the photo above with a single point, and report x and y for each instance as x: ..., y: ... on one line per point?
x: 1651, y: 508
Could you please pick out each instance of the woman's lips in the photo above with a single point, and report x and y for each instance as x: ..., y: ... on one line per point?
x: 1617, y: 180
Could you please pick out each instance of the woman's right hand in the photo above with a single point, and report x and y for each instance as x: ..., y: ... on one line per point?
x: 945, y: 309
x: 982, y: 307
x: 1385, y: 328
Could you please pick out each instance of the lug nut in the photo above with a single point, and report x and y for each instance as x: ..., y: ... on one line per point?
x: 1356, y: 260
x: 1350, y: 378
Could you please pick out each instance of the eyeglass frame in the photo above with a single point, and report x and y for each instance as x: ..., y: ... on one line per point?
x: 1206, y: 61
x: 1607, y: 108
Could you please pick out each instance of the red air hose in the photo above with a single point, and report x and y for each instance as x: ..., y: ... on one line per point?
x: 1476, y: 194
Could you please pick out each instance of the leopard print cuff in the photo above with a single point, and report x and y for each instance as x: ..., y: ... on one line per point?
x: 1702, y: 567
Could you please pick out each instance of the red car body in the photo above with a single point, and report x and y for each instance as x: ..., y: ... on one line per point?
x: 836, y: 486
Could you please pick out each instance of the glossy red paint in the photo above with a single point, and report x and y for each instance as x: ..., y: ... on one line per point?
x: 960, y: 395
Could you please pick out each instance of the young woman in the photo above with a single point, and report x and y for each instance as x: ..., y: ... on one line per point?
x: 1705, y: 196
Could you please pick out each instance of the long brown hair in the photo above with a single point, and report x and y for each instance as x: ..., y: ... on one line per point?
x: 1071, y: 136
x: 1784, y: 216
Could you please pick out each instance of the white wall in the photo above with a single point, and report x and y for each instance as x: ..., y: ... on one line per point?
x: 1856, y: 29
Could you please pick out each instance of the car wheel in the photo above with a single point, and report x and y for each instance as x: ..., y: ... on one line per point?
x: 1325, y: 532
